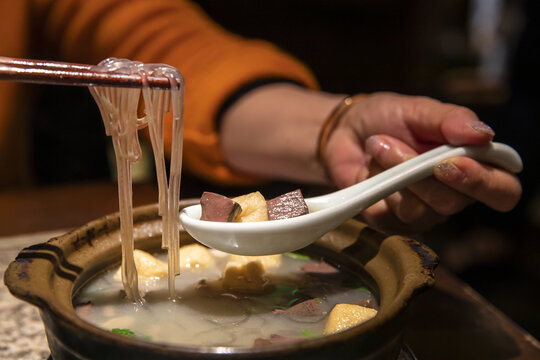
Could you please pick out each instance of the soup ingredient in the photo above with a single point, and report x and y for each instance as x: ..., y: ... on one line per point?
x: 148, y: 266
x: 130, y: 334
x: 276, y: 339
x: 124, y: 332
x: 195, y: 256
x: 247, y: 278
x: 295, y: 255
x: 287, y: 206
x: 253, y: 207
x: 216, y: 207
x: 246, y: 273
x: 267, y: 261
x: 308, y: 311
x: 345, y: 316
x: 209, y: 311
x: 320, y: 267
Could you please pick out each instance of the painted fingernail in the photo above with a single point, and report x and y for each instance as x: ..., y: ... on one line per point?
x: 448, y: 171
x: 483, y: 128
x: 375, y: 145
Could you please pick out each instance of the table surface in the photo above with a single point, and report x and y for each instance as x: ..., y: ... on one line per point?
x: 450, y: 321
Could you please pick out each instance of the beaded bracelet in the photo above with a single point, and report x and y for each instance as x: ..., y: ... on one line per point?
x: 331, y: 124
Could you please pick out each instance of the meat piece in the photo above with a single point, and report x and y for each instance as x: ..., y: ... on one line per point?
x: 216, y: 207
x: 321, y: 267
x: 308, y: 311
x: 276, y: 339
x: 287, y: 206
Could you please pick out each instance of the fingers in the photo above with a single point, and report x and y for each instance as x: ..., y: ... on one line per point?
x: 346, y: 160
x: 428, y: 193
x: 383, y: 217
x: 459, y: 180
x: 457, y: 125
x: 495, y: 188
x: 421, y: 122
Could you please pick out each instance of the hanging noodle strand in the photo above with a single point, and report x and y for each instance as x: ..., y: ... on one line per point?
x: 118, y: 107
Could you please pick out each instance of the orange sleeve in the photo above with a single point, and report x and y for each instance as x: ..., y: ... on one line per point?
x: 214, y: 63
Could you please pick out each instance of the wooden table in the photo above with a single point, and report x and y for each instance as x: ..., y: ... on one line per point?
x: 450, y: 321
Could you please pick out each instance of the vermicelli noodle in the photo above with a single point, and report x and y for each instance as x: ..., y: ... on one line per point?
x: 118, y: 107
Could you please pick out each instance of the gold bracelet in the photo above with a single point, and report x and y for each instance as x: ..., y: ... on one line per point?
x: 331, y: 124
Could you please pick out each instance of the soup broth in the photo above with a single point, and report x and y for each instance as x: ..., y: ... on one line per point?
x: 293, y: 305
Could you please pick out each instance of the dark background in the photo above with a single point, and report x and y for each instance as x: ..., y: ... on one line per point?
x: 418, y: 47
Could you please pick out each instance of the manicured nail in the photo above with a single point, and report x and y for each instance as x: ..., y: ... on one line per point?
x: 482, y: 128
x: 375, y: 145
x: 448, y: 171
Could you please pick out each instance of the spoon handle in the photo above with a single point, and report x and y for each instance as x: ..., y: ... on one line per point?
x: 358, y: 197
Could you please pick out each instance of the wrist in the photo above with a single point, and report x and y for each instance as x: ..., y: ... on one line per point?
x: 329, y: 126
x: 274, y: 130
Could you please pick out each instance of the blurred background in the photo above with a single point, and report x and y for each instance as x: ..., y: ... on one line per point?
x: 483, y: 54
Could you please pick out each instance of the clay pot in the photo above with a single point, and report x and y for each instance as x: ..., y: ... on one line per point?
x: 396, y: 269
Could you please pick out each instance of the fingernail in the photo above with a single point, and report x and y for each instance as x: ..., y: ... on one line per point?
x: 483, y: 128
x: 448, y: 171
x: 375, y: 145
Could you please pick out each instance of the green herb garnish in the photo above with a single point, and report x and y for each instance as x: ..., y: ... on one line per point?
x: 289, y: 304
x: 297, y: 256
x: 130, y: 334
x: 351, y: 283
x: 308, y: 334
x: 124, y: 332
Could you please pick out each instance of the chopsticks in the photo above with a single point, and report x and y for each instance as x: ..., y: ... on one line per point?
x: 63, y: 73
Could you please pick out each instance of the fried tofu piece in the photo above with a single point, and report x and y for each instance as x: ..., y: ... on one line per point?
x: 267, y: 261
x: 148, y: 266
x: 345, y: 316
x: 195, y: 256
x: 253, y: 207
x: 245, y: 278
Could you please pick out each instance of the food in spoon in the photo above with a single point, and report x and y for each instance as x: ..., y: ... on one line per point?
x: 252, y: 207
x: 287, y: 206
x: 216, y: 207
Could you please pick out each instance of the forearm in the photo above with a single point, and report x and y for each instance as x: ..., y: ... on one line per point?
x: 273, y: 130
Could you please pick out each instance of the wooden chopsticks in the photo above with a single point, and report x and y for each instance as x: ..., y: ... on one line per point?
x: 62, y: 73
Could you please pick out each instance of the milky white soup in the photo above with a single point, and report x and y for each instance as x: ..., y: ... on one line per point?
x: 206, y: 313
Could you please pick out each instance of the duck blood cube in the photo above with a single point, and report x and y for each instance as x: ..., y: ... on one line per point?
x: 216, y: 207
x: 286, y: 206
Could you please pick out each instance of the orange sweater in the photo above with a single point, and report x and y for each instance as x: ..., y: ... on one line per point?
x: 214, y: 63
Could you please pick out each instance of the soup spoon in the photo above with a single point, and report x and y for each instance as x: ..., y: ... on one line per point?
x: 328, y: 211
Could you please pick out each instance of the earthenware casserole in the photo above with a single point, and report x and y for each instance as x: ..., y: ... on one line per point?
x: 48, y: 275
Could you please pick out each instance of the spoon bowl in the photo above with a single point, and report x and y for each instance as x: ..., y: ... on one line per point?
x: 328, y: 211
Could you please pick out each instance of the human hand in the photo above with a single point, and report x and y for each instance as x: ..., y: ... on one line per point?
x: 385, y: 129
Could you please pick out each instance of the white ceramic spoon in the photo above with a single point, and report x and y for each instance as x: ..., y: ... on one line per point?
x: 328, y: 211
